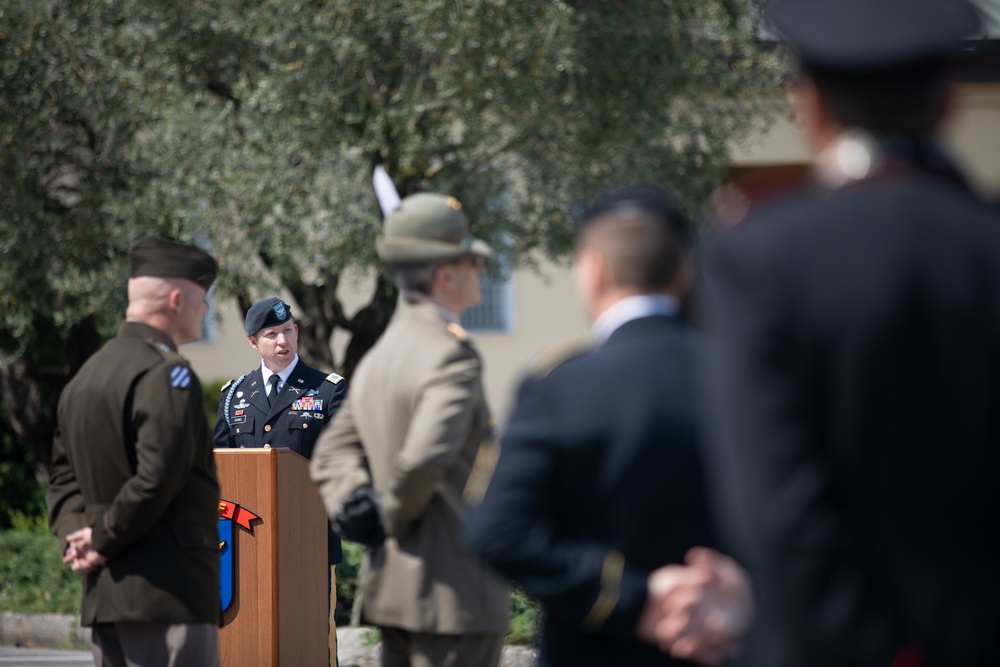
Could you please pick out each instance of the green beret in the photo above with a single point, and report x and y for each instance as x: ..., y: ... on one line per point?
x: 163, y: 258
x: 428, y: 228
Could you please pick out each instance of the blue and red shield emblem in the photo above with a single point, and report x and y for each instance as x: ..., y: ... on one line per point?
x: 230, y: 512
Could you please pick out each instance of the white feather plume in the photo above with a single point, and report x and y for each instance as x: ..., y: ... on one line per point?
x: 385, y: 191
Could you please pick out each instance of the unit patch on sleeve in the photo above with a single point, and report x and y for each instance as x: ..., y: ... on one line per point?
x: 180, y: 377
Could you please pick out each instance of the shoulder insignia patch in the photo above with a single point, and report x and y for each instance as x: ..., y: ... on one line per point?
x: 557, y: 355
x: 180, y: 377
x: 334, y: 378
x: 226, y: 386
x: 458, y: 332
x: 164, y: 349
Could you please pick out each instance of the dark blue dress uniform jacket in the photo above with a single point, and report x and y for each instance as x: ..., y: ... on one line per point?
x: 600, y: 482
x: 304, y: 406
x: 858, y: 421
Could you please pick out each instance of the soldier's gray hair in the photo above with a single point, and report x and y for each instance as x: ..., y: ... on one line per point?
x: 414, y: 280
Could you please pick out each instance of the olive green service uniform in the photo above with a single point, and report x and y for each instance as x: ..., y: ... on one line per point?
x: 132, y: 458
x: 411, y: 429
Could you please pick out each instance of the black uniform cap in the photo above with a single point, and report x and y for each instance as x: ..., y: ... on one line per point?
x: 266, y: 313
x: 163, y: 258
x: 853, y: 35
x: 643, y: 197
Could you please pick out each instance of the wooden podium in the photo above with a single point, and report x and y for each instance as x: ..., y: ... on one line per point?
x: 278, y: 613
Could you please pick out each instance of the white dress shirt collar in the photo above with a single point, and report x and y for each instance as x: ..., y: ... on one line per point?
x: 632, y: 308
x: 284, y: 375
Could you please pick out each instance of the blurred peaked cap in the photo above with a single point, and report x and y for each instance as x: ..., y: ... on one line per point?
x: 644, y: 197
x: 267, y: 312
x: 872, y: 34
x: 163, y: 258
x: 428, y: 228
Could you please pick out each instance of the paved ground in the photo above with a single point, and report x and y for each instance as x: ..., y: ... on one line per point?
x: 33, y: 657
x: 29, y: 641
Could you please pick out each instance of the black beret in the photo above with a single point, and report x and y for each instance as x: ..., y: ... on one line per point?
x: 266, y: 313
x: 860, y: 35
x: 163, y: 258
x: 643, y: 197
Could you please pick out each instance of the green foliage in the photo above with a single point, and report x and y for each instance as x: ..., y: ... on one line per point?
x: 371, y: 637
x: 33, y: 578
x: 254, y: 127
x: 347, y: 578
x: 525, y: 617
x: 22, y: 499
x: 212, y: 390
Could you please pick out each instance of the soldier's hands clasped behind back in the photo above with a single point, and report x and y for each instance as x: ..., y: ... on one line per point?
x: 359, y: 520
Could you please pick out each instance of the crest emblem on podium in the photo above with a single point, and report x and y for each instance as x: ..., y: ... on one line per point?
x: 230, y: 513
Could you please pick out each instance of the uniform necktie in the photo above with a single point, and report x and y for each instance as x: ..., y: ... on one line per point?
x: 274, y: 380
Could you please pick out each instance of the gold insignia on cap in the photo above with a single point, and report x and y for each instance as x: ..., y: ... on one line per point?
x: 454, y: 203
x: 457, y: 331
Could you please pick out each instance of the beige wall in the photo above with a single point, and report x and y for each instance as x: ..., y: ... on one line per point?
x: 226, y: 354
x: 973, y: 136
x: 545, y: 313
x: 545, y: 309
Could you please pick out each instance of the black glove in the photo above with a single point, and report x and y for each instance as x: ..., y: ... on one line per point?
x: 358, y: 519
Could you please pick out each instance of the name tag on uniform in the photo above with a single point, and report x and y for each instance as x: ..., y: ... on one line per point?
x: 308, y: 403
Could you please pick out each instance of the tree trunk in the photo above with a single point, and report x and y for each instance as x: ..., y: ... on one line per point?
x: 369, y: 323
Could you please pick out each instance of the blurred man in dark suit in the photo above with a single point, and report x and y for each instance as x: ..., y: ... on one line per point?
x: 857, y: 382
x: 599, y: 482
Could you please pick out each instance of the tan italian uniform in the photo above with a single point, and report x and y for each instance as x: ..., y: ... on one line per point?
x: 411, y: 428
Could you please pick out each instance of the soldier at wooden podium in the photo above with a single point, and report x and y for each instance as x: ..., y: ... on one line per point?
x: 281, y: 403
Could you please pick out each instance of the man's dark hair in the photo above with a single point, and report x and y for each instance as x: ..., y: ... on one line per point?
x: 905, y: 100
x: 641, y: 233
